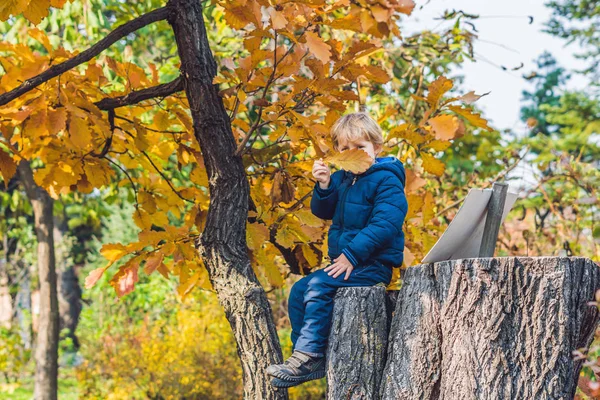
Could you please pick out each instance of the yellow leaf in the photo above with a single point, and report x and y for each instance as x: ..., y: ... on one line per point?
x: 142, y: 219
x: 354, y: 160
x: 413, y: 181
x: 57, y: 120
x: 472, y: 117
x: 381, y: 14
x: 437, y: 89
x: 366, y: 20
x: 113, y: 251
x: 415, y: 202
x: 438, y: 145
x: 308, y: 218
x: 37, y: 10
x: 310, y: 256
x: 80, y: 132
x: 153, y: 262
x: 278, y: 20
x: 8, y: 167
x: 428, y: 208
x: 256, y: 235
x: 41, y: 37
x: 161, y: 120
x: 318, y: 47
x: 444, y: 126
x: 432, y: 164
x: 285, y: 237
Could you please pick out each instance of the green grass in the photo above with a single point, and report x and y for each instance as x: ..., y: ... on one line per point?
x: 67, y: 390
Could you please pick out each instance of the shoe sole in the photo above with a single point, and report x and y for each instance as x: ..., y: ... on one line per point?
x: 287, y: 380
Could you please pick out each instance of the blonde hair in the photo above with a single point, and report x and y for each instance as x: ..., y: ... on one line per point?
x: 353, y: 126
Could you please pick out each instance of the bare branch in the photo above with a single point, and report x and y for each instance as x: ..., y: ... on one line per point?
x: 134, y: 97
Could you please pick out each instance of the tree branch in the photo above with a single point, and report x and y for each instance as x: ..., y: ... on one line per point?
x: 134, y: 97
x: 56, y: 70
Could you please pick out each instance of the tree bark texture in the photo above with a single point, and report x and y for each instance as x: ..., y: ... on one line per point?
x: 491, y: 328
x: 46, y: 348
x: 222, y: 244
x: 357, y: 343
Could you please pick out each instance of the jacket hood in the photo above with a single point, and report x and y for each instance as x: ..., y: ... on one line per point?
x: 390, y: 163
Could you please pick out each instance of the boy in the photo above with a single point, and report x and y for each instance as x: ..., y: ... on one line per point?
x: 365, y: 242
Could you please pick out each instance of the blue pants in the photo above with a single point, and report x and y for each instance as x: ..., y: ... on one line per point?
x: 310, y: 306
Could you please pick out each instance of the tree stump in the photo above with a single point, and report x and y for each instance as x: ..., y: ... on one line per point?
x: 357, y: 343
x: 491, y: 328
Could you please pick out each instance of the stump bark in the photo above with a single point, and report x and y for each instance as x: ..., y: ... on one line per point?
x: 357, y: 343
x: 491, y: 328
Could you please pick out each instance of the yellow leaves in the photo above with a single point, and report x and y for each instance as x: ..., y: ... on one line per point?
x: 264, y: 263
x: 409, y: 133
x: 444, y: 126
x: 317, y: 47
x: 355, y: 160
x: 7, y: 167
x: 11, y: 7
x: 432, y: 164
x: 33, y: 10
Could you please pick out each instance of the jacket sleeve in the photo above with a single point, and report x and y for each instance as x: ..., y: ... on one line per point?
x: 387, y: 217
x: 324, y: 201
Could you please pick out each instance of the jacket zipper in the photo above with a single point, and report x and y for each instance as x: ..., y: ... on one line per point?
x: 342, y: 207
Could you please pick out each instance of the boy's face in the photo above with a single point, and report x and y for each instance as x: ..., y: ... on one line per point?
x: 363, y: 144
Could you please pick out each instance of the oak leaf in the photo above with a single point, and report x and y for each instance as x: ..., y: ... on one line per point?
x: 444, y: 126
x: 356, y: 161
x: 318, y: 47
x: 432, y: 164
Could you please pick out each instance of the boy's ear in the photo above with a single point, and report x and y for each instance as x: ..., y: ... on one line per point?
x: 377, y: 149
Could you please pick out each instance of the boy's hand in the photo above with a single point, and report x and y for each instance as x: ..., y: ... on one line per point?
x: 321, y: 173
x: 339, y: 266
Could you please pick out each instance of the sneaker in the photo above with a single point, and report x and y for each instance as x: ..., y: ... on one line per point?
x: 280, y: 383
x: 297, y: 369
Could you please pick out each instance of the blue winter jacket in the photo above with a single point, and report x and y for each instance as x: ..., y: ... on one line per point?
x: 367, y: 212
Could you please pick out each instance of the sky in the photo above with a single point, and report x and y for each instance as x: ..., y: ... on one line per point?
x: 505, y: 39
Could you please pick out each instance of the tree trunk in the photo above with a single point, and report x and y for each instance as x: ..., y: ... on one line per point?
x: 6, y: 304
x: 46, y: 349
x: 22, y: 309
x: 357, y: 343
x: 69, y: 290
x: 223, y: 243
x: 491, y: 328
